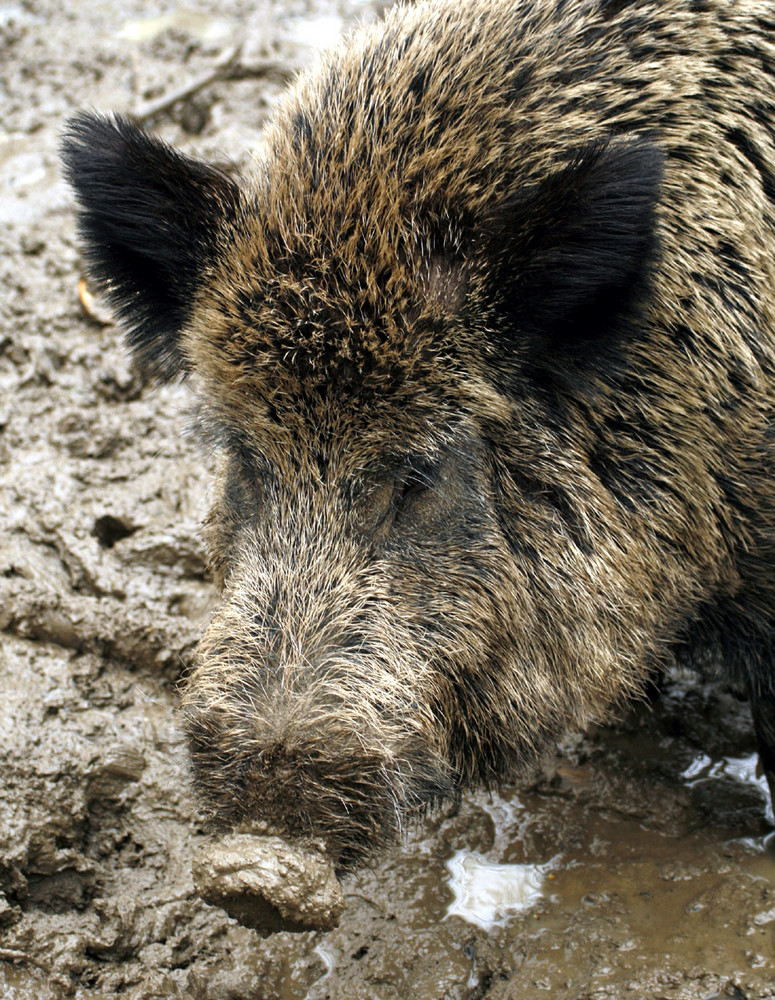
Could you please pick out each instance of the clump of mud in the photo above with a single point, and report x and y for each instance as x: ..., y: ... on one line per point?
x: 268, y: 884
x: 645, y: 846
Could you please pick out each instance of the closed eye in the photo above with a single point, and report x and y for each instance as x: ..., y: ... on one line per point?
x: 411, y: 487
x: 421, y: 477
x: 401, y: 492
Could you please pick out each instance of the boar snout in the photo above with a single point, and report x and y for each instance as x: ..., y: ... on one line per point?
x: 329, y: 742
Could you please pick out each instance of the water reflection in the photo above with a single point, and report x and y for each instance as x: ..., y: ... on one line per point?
x: 487, y: 893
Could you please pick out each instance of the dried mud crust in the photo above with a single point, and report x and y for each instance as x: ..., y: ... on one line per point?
x: 657, y: 877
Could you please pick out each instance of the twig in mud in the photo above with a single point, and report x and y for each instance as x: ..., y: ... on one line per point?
x: 12, y: 955
x: 97, y: 313
x: 226, y: 67
x: 219, y: 70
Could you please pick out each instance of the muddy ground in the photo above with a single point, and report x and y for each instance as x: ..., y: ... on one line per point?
x: 643, y: 852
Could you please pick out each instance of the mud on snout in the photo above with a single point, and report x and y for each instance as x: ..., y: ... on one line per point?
x: 310, y: 725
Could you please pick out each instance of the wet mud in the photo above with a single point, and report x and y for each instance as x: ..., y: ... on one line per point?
x: 638, y: 863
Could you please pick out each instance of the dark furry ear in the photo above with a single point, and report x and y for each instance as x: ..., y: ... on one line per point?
x: 571, y: 256
x: 150, y: 220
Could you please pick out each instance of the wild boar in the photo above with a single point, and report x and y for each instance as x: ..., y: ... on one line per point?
x: 485, y: 346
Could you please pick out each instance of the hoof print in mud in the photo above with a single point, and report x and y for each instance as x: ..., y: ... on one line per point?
x: 268, y: 884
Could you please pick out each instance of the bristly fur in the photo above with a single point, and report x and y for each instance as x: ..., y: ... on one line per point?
x: 487, y: 347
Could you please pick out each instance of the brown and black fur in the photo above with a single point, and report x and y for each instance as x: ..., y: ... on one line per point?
x: 486, y: 347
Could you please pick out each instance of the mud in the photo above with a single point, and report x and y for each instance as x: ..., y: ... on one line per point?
x: 639, y: 863
x: 268, y: 883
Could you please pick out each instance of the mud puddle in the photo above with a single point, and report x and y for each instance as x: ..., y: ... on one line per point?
x: 639, y: 862
x: 613, y: 880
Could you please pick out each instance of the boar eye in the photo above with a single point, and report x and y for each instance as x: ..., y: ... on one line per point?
x: 415, y: 483
x: 412, y: 487
x: 396, y: 493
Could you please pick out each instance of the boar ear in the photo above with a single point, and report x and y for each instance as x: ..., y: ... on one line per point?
x: 570, y: 257
x: 149, y: 222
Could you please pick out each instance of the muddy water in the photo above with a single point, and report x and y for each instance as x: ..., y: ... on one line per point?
x: 638, y: 863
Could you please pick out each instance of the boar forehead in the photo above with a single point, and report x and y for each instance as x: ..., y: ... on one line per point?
x: 313, y: 319
x: 358, y: 398
x: 331, y: 364
x: 337, y: 442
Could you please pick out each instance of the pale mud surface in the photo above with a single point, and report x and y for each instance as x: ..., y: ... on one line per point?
x: 643, y: 853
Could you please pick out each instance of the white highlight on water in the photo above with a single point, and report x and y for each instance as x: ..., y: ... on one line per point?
x: 487, y: 893
x: 328, y: 957
x: 743, y: 769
